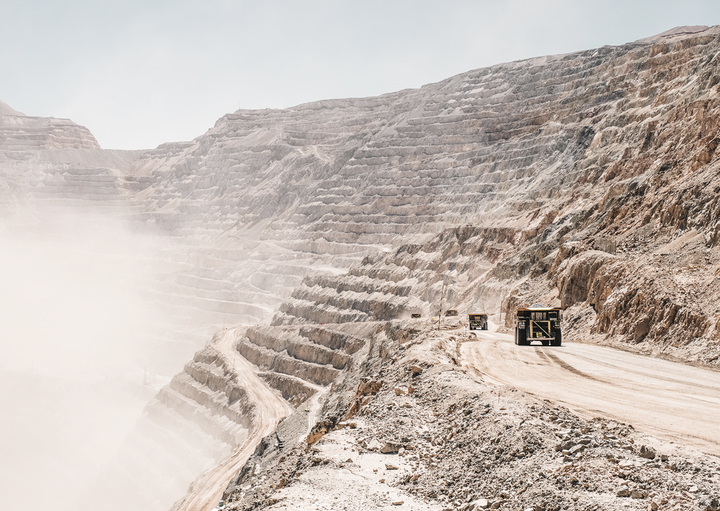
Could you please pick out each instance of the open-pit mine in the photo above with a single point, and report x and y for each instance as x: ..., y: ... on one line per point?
x: 257, y: 316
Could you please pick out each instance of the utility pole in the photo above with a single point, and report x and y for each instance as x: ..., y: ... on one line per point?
x: 442, y: 295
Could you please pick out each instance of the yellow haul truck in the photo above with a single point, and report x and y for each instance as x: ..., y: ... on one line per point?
x: 538, y: 323
x: 478, y: 321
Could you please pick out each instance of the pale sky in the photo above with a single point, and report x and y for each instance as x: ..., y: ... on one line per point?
x: 138, y: 73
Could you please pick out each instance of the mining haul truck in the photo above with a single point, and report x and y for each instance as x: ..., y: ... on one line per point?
x: 538, y: 323
x: 478, y: 321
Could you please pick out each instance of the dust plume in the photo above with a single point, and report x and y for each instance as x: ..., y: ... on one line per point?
x: 84, y: 349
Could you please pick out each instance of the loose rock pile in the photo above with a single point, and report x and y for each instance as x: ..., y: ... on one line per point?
x: 424, y: 434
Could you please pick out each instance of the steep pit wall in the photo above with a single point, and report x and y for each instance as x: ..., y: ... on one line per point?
x: 201, y: 417
x: 409, y: 280
x: 514, y: 146
x: 615, y: 144
x: 271, y: 389
x: 577, y: 145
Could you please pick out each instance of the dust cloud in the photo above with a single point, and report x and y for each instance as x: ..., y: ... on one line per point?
x: 84, y: 348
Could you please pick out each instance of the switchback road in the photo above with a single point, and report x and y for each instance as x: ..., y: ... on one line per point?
x: 668, y: 400
x: 270, y: 410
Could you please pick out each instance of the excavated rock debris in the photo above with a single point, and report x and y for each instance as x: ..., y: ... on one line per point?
x: 425, y: 434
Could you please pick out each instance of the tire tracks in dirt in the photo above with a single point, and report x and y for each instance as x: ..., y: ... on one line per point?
x: 673, y: 401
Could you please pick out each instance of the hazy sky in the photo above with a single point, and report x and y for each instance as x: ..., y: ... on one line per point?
x: 141, y: 72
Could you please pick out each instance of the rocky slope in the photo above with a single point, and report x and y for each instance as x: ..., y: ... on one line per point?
x: 413, y: 430
x: 587, y: 180
x: 545, y: 158
x: 616, y: 220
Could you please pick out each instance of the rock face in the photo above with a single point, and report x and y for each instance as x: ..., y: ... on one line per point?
x: 581, y: 168
x: 586, y: 180
x: 544, y: 159
x: 19, y: 132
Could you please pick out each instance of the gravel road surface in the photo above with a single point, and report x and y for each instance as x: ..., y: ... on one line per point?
x: 672, y: 401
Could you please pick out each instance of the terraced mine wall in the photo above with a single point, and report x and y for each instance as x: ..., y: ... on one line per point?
x: 207, y: 411
x: 587, y: 180
x: 606, y: 146
x: 545, y: 158
x: 190, y: 425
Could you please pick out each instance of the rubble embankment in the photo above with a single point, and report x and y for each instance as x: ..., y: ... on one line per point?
x: 413, y: 430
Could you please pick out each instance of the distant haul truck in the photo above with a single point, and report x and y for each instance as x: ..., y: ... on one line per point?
x: 478, y: 321
x: 451, y: 313
x: 538, y: 323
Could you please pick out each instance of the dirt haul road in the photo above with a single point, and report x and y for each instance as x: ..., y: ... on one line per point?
x: 668, y: 400
x: 270, y: 410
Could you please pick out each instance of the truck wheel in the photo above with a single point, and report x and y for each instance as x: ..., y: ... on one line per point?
x: 558, y: 338
x: 521, y: 337
x: 545, y: 342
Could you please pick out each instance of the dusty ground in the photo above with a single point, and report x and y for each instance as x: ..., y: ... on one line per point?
x: 672, y: 401
x: 453, y: 441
